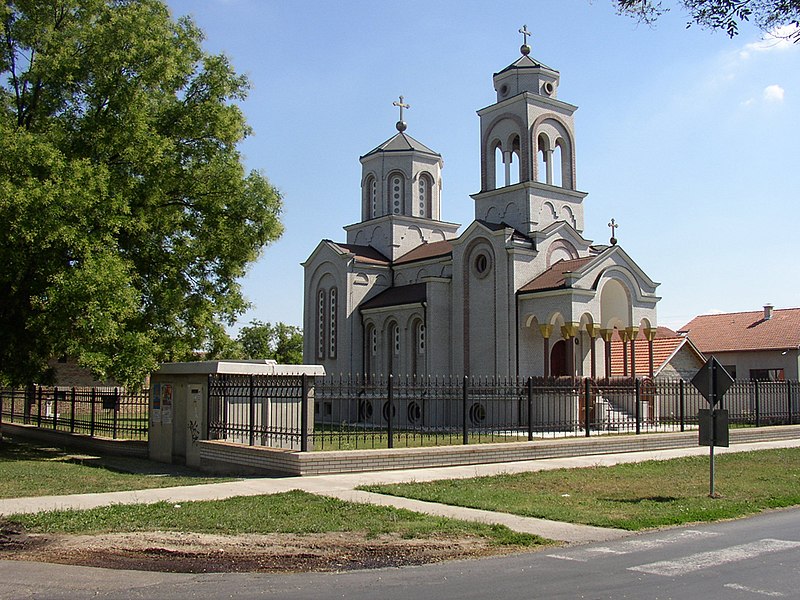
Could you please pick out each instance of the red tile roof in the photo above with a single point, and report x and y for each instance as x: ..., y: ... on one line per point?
x: 745, y: 331
x: 553, y: 278
x: 426, y: 251
x: 663, y: 349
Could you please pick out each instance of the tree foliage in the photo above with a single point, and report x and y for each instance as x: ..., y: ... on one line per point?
x: 128, y: 217
x: 724, y: 14
x: 280, y: 342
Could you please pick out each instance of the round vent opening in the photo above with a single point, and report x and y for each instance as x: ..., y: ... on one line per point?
x: 548, y: 88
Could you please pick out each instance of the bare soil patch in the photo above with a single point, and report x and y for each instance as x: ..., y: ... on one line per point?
x: 207, y: 553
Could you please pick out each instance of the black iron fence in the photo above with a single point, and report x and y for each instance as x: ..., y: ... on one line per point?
x: 386, y: 412
x: 96, y: 411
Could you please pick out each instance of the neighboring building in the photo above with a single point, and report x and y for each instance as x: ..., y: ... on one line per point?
x: 674, y: 356
x: 519, y: 292
x: 751, y: 345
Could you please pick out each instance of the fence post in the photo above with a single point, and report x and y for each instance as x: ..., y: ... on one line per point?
x: 252, y: 406
x: 55, y: 407
x: 638, y: 390
x: 304, y: 415
x: 39, y: 407
x: 587, y: 409
x: 464, y: 395
x: 758, y: 403
x: 789, y: 418
x: 390, y: 410
x: 72, y: 411
x: 91, y: 416
x: 530, y: 409
x: 116, y: 414
x: 682, y: 405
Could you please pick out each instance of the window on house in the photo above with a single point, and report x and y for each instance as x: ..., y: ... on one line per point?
x: 767, y: 374
x: 396, y: 193
x: 332, y: 324
x: 731, y: 369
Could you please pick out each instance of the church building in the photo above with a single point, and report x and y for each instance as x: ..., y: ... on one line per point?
x: 519, y: 292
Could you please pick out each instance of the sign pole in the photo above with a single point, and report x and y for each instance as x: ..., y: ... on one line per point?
x: 713, y: 387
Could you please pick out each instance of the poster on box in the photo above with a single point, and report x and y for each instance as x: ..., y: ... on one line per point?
x: 155, y: 412
x: 166, y: 403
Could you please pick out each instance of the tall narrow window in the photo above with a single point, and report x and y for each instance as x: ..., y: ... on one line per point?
x: 424, y: 197
x: 332, y: 324
x: 420, y: 337
x: 396, y: 339
x: 396, y: 193
x: 372, y: 197
x: 321, y: 324
x: 370, y: 350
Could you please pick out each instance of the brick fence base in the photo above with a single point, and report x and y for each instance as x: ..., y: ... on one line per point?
x: 225, y: 457
x: 107, y: 446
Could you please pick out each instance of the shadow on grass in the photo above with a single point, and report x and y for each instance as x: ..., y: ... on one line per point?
x: 657, y: 499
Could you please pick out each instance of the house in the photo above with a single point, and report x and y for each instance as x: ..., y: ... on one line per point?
x: 519, y: 292
x: 762, y: 344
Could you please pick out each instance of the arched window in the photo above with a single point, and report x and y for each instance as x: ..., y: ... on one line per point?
x: 371, y: 197
x: 393, y: 341
x: 424, y: 197
x: 420, y: 336
x: 370, y: 350
x: 542, y: 156
x: 332, y: 323
x: 321, y: 324
x: 396, y: 193
x: 558, y: 178
x: 499, y: 168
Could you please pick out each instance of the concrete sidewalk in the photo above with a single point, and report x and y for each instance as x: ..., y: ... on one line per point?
x: 343, y: 486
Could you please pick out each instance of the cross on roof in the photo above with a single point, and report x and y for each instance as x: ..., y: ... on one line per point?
x: 613, y: 225
x: 402, y: 105
x: 525, y: 33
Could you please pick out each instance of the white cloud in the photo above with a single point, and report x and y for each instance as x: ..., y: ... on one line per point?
x: 776, y: 39
x: 773, y: 93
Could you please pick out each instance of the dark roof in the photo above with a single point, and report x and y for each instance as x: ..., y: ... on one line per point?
x: 517, y: 234
x: 397, y: 296
x: 553, y: 278
x: 426, y: 251
x: 526, y: 62
x: 363, y: 254
x: 401, y: 142
x: 730, y: 332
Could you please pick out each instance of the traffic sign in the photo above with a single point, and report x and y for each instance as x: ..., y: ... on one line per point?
x: 712, y: 381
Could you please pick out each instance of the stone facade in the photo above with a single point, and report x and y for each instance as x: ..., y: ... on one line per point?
x: 519, y: 292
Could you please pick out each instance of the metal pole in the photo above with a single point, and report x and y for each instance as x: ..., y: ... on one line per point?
x: 91, y: 415
x: 682, y: 405
x: 116, y: 413
x: 304, y: 415
x: 530, y: 408
x: 758, y: 403
x: 638, y: 407
x: 39, y: 408
x: 55, y: 407
x: 72, y: 411
x: 789, y: 419
x: 464, y: 392
x: 587, y: 391
x: 252, y: 406
x: 390, y: 407
x: 713, y: 387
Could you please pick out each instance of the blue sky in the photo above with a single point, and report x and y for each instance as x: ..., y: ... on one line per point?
x: 689, y: 139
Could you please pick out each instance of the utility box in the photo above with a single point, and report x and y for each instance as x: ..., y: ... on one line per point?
x: 179, y: 401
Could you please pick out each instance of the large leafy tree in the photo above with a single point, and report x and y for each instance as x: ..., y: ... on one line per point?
x: 280, y: 342
x: 127, y: 216
x: 727, y: 15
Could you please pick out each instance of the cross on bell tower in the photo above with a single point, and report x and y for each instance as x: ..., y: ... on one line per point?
x: 401, y: 125
x: 525, y: 49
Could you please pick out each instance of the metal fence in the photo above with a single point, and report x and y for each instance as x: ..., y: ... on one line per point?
x: 96, y: 411
x: 360, y: 412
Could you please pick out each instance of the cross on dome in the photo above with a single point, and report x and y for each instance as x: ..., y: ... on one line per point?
x: 401, y: 125
x: 525, y: 49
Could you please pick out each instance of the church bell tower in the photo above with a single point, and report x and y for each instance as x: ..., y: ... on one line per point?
x: 528, y: 150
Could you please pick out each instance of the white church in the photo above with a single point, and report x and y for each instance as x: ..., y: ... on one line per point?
x: 519, y: 292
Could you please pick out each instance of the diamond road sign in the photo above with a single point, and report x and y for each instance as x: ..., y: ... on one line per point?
x: 712, y: 381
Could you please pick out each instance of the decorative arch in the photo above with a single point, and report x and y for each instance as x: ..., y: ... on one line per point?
x: 396, y: 193
x: 560, y: 250
x: 422, y: 206
x: 503, y: 127
x: 557, y: 133
x: 615, y: 303
x: 371, y: 204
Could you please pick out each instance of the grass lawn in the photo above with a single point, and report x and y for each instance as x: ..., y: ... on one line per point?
x: 30, y: 469
x: 291, y: 512
x: 629, y: 496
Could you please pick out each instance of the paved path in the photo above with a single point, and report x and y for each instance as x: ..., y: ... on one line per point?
x: 343, y: 486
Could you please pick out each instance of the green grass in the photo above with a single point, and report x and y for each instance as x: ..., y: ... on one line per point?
x: 291, y: 512
x: 630, y: 496
x: 28, y: 469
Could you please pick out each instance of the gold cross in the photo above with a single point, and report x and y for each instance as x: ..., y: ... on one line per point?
x: 525, y: 33
x: 402, y: 105
x: 613, y: 224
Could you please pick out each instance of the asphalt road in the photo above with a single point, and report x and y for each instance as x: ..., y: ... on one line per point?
x: 754, y: 558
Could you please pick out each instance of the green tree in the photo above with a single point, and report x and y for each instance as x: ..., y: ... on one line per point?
x: 280, y: 342
x: 128, y: 217
x: 724, y: 14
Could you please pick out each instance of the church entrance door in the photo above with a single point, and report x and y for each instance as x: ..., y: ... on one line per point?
x: 558, y: 360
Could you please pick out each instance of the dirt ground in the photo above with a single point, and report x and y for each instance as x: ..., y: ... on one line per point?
x: 207, y: 553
